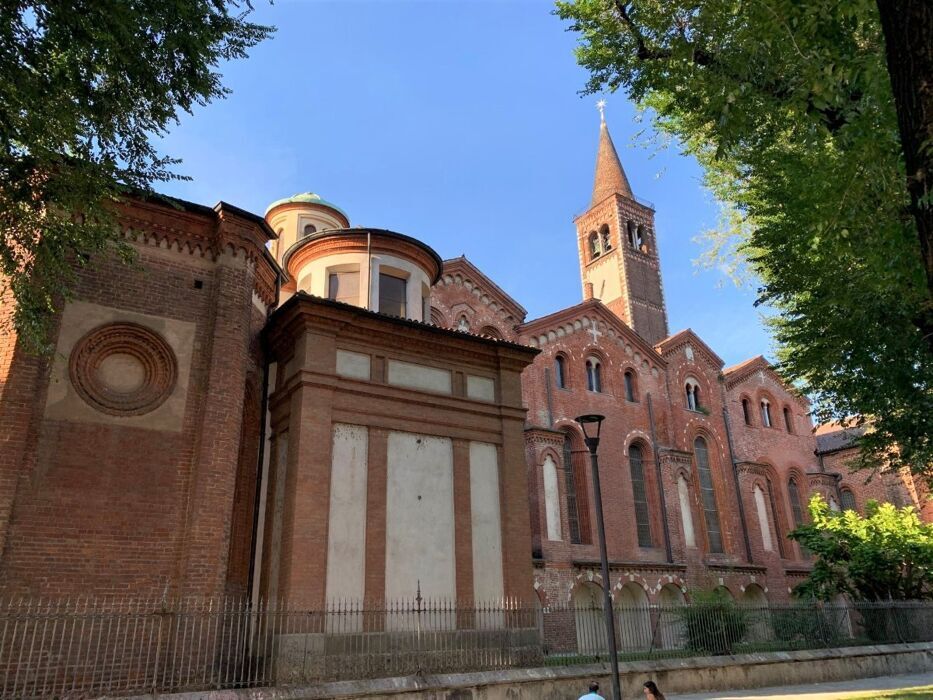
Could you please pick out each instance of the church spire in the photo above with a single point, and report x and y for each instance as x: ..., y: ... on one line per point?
x: 610, y: 178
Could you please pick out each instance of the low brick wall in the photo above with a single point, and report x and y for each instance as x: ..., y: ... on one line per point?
x: 674, y: 676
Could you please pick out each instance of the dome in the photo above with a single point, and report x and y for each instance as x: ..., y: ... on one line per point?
x: 306, y: 198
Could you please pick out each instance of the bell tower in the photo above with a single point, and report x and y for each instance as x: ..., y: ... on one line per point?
x: 618, y: 249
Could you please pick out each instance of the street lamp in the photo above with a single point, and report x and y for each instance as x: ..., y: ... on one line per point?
x: 592, y: 423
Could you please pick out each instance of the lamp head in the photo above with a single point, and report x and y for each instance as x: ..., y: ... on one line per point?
x: 591, y: 423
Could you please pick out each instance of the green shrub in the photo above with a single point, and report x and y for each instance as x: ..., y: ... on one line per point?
x: 714, y: 624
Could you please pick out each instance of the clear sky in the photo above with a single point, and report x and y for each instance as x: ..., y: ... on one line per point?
x: 459, y: 123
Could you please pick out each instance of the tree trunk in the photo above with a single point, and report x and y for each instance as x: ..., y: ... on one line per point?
x: 908, y: 34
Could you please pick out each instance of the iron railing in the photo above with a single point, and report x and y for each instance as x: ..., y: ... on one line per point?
x: 89, y: 647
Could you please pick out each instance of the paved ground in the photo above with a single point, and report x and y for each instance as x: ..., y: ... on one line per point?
x: 817, y: 691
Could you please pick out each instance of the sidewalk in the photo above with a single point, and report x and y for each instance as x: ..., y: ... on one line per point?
x: 818, y: 691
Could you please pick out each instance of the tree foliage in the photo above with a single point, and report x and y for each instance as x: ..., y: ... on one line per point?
x: 887, y: 554
x: 788, y: 107
x: 86, y: 86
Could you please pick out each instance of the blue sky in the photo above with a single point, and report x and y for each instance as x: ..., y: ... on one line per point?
x: 459, y: 123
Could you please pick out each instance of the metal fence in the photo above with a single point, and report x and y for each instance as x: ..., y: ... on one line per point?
x: 84, y: 648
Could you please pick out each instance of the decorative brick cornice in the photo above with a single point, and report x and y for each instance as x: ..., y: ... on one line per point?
x: 686, y: 337
x: 460, y: 271
x: 737, y: 374
x: 185, y: 227
x: 579, y: 319
x: 828, y: 479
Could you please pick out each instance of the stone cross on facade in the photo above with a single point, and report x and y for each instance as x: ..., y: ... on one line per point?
x: 594, y: 331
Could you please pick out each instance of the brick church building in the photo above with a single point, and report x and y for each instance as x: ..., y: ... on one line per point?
x: 290, y: 408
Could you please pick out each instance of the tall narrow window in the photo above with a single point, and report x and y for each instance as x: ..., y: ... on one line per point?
x: 391, y: 295
x: 848, y: 500
x: 746, y: 412
x: 629, y: 385
x: 708, y: 496
x: 640, y: 237
x: 578, y: 516
x: 788, y: 420
x: 796, y: 508
x: 570, y: 488
x: 560, y: 372
x: 632, y: 234
x: 344, y: 286
x: 594, y: 379
x: 640, y: 496
x: 766, y: 413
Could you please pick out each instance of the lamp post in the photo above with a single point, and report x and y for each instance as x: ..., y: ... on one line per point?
x: 587, y: 424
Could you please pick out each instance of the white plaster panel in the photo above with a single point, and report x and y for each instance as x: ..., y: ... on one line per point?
x: 686, y: 515
x: 551, y: 499
x: 481, y: 388
x: 355, y: 365
x: 486, y: 522
x: 419, y: 517
x: 346, y: 530
x: 418, y: 376
x: 78, y: 318
x: 763, y: 520
x: 607, y: 282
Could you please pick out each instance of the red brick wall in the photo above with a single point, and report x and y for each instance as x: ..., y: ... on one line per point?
x: 105, y: 508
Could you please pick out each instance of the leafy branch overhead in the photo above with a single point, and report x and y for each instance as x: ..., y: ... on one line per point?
x: 789, y: 108
x: 83, y: 95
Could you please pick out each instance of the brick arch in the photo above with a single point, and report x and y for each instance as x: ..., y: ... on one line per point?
x: 752, y: 411
x: 438, y: 318
x: 584, y: 579
x: 636, y: 435
x: 666, y: 580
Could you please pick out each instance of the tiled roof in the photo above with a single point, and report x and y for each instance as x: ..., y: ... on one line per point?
x: 610, y: 178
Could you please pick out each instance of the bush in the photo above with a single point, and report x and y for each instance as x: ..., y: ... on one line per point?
x: 714, y: 624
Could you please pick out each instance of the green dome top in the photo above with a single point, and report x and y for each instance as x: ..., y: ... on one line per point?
x: 309, y: 198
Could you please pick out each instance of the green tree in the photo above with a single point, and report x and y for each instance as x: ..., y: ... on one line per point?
x: 788, y: 107
x: 85, y: 88
x: 887, y: 554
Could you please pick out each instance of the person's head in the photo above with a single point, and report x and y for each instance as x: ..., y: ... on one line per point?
x: 594, y: 687
x: 651, y: 688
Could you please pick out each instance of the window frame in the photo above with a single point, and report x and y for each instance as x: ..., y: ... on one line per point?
x: 560, y: 371
x: 594, y: 375
x: 640, y: 502
x: 630, y: 384
x: 404, y: 285
x: 708, y: 502
x: 333, y: 275
x: 764, y: 406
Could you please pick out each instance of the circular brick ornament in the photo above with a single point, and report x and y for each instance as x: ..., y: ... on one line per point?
x: 123, y: 369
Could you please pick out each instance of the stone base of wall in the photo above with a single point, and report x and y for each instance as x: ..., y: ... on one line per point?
x: 674, y: 676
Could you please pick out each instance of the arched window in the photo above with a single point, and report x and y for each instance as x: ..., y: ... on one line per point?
x: 640, y: 238
x: 630, y: 385
x: 848, y: 500
x: 560, y: 372
x: 747, y: 411
x: 491, y: 332
x: 692, y: 390
x: 640, y: 496
x: 632, y: 234
x: 604, y: 237
x: 796, y: 507
x: 766, y: 413
x: 708, y: 496
x: 578, y: 517
x: 594, y: 378
x: 309, y: 229
x: 788, y: 420
x: 594, y: 245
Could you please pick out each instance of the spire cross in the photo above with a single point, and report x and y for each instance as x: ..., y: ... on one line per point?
x: 601, y: 106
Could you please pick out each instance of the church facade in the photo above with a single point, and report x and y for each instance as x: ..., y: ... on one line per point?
x: 293, y: 409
